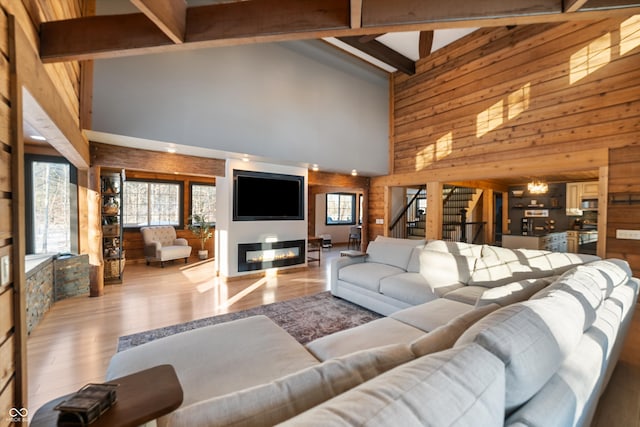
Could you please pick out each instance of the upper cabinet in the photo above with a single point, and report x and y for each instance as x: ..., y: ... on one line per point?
x: 576, y: 191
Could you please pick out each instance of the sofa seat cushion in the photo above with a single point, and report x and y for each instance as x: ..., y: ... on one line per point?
x: 255, y: 346
x: 378, y: 333
x: 408, y: 287
x: 283, y: 398
x: 466, y: 294
x: 430, y: 315
x: 513, y: 292
x: 174, y: 252
x: 455, y: 387
x: 444, y: 337
x: 532, y: 338
x: 367, y: 274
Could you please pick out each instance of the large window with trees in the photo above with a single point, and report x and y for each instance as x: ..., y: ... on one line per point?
x: 51, y: 205
x: 341, y: 208
x: 203, y: 201
x: 152, y: 203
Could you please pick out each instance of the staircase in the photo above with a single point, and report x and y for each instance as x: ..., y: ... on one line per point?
x: 454, y: 200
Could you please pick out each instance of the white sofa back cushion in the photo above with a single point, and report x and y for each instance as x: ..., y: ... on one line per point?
x: 457, y: 248
x: 390, y: 253
x: 532, y: 338
x: 281, y: 399
x: 463, y: 386
x: 441, y: 269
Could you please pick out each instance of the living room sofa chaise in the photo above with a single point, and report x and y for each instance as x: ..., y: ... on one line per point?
x: 537, y: 355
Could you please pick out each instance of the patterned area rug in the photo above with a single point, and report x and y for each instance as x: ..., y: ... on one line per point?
x: 305, y: 318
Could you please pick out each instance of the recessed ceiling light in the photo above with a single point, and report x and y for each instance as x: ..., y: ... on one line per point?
x: 38, y: 137
x: 354, y: 172
x: 245, y: 158
x: 171, y: 150
x: 315, y: 168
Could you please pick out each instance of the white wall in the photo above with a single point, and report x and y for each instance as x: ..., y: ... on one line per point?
x: 295, y: 102
x: 230, y: 233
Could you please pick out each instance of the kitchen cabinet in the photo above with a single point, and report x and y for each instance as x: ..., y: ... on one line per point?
x: 576, y: 191
x: 554, y: 242
x: 572, y: 241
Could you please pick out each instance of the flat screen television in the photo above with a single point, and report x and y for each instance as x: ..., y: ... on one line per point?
x: 262, y: 196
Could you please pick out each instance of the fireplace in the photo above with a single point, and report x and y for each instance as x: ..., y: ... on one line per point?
x: 260, y: 256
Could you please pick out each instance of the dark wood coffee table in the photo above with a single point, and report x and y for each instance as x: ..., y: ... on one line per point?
x: 141, y: 397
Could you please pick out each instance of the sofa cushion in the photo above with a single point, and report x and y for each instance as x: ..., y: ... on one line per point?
x: 430, y: 315
x: 513, y: 292
x: 456, y: 248
x: 408, y: 287
x: 414, y: 260
x: 283, y: 398
x: 499, y: 253
x: 442, y: 269
x: 378, y: 333
x: 615, y: 271
x: 203, y: 368
x: 532, y: 338
x: 443, y: 337
x: 367, y: 274
x: 491, y: 272
x: 466, y: 294
x: 462, y: 386
x: 390, y: 253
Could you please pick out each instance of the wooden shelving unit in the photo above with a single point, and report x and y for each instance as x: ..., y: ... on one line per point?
x: 111, y: 184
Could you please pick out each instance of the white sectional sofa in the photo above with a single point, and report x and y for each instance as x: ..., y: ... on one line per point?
x: 400, y: 273
x: 542, y: 361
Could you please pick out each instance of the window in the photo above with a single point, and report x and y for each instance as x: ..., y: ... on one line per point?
x: 151, y: 203
x: 203, y: 201
x: 341, y: 208
x: 52, y: 205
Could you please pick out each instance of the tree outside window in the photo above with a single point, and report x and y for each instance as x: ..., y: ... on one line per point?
x: 203, y: 201
x: 152, y: 203
x: 341, y: 208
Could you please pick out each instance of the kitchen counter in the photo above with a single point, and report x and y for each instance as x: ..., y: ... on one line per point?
x: 555, y: 242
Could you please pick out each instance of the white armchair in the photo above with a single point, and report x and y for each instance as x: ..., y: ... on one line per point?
x: 161, y: 244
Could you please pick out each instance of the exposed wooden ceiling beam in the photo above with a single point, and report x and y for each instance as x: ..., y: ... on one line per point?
x: 369, y: 37
x: 383, y: 53
x: 425, y: 43
x: 246, y: 22
x: 356, y: 13
x: 169, y: 15
x: 572, y: 5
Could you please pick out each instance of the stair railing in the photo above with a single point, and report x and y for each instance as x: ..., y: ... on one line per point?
x: 398, y: 226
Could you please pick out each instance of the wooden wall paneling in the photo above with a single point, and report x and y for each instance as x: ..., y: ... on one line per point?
x: 7, y: 399
x: 94, y: 234
x: 117, y: 157
x: 603, y: 207
x: 5, y: 171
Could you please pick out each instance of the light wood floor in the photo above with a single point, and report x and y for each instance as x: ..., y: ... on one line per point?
x: 74, y: 342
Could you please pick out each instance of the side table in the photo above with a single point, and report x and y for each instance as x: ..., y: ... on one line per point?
x: 141, y: 397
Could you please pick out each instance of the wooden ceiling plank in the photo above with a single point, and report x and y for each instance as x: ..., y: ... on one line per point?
x: 122, y: 35
x: 425, y: 43
x: 356, y: 13
x: 87, y: 37
x: 266, y: 17
x: 169, y: 15
x: 573, y: 5
x: 384, y: 12
x: 383, y: 53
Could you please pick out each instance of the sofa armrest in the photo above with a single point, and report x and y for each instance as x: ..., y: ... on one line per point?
x: 151, y: 249
x: 180, y: 242
x: 337, y: 264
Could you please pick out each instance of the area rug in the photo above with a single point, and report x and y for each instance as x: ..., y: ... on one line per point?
x: 305, y: 318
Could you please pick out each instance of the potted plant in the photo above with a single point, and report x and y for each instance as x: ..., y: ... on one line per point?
x: 202, y: 230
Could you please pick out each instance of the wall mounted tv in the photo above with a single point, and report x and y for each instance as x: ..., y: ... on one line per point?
x: 261, y: 196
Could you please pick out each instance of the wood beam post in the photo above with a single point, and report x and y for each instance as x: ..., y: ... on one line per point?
x: 488, y: 215
x: 425, y: 43
x: 572, y: 5
x: 169, y: 15
x: 434, y: 210
x: 356, y: 13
